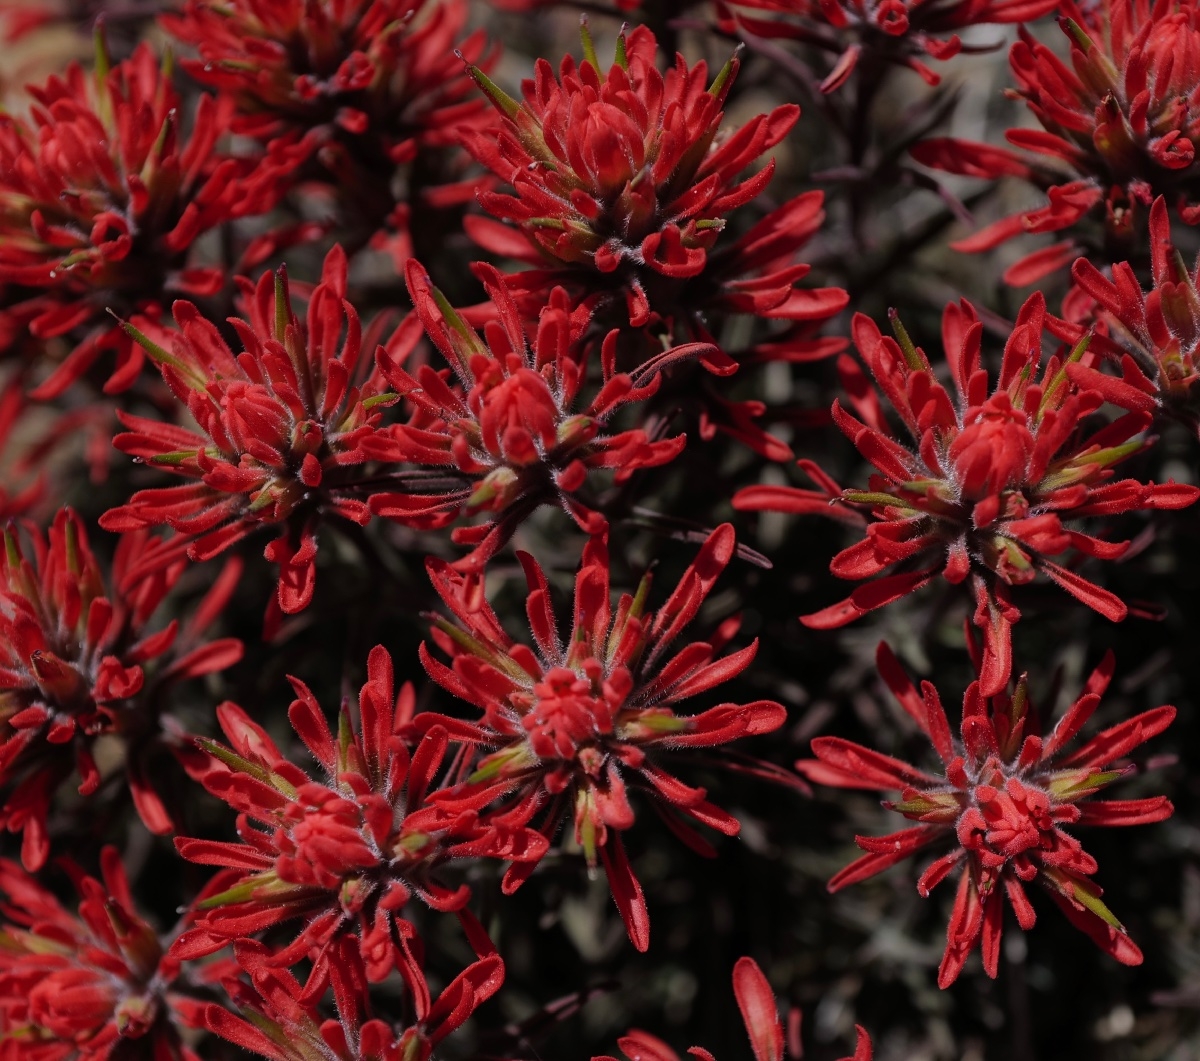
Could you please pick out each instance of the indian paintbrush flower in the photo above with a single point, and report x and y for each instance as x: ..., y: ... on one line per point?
x: 570, y: 726
x: 282, y: 428
x: 73, y: 650
x: 991, y: 475
x: 343, y: 853
x: 102, y: 197
x: 1006, y: 796
x: 1119, y: 126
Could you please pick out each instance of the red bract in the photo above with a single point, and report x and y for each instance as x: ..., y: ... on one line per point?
x: 990, y: 479
x: 284, y: 428
x: 882, y: 31
x: 1154, y: 335
x: 72, y: 652
x: 281, y: 1026
x: 1004, y: 798
x: 1122, y: 120
x: 510, y: 423
x: 621, y: 186
x: 86, y: 988
x: 757, y: 1005
x: 364, y: 85
x: 569, y: 725
x: 344, y: 853
x: 101, y: 201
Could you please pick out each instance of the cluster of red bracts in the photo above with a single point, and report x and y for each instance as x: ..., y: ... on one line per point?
x: 296, y: 416
x: 1003, y: 798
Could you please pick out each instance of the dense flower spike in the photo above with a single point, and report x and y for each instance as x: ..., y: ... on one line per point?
x: 983, y: 494
x: 757, y: 1005
x: 72, y: 653
x: 91, y: 987
x: 101, y: 201
x: 1005, y: 797
x: 622, y: 181
x: 1154, y: 336
x: 281, y: 1026
x: 344, y: 853
x: 511, y: 423
x: 365, y: 86
x: 875, y: 31
x: 284, y: 427
x: 1122, y: 120
x: 568, y: 726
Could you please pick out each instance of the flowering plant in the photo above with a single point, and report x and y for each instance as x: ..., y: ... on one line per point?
x: 408, y: 354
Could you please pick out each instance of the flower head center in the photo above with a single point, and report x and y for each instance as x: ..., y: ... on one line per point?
x: 1005, y: 821
x: 567, y: 716
x: 992, y: 451
x: 326, y: 841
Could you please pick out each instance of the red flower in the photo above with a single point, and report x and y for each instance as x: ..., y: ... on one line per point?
x: 1154, y: 335
x: 283, y: 1027
x: 1122, y: 120
x: 84, y: 989
x: 568, y: 725
x: 621, y: 186
x: 364, y: 86
x: 514, y: 428
x: 989, y: 481
x: 1004, y: 798
x: 101, y: 201
x: 344, y: 853
x: 757, y: 1005
x: 890, y: 31
x: 71, y: 668
x: 283, y: 427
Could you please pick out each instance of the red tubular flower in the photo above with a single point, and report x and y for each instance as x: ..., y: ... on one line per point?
x: 71, y: 668
x: 568, y: 725
x: 346, y: 852
x: 621, y: 183
x: 514, y: 428
x: 1155, y: 335
x: 892, y: 31
x: 101, y: 201
x: 757, y: 1005
x: 365, y: 85
x: 1122, y: 120
x: 284, y: 427
x: 281, y: 1026
x: 85, y: 988
x: 1004, y: 798
x: 990, y: 480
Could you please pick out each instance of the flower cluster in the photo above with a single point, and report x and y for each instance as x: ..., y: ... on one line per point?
x: 1152, y: 335
x: 570, y: 725
x: 285, y: 426
x: 621, y: 183
x: 280, y: 1027
x: 1005, y: 797
x: 87, y: 988
x: 511, y: 424
x: 344, y: 853
x: 990, y: 479
x: 443, y: 847
x: 1120, y: 120
x: 72, y: 656
x: 360, y: 88
x: 102, y: 199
